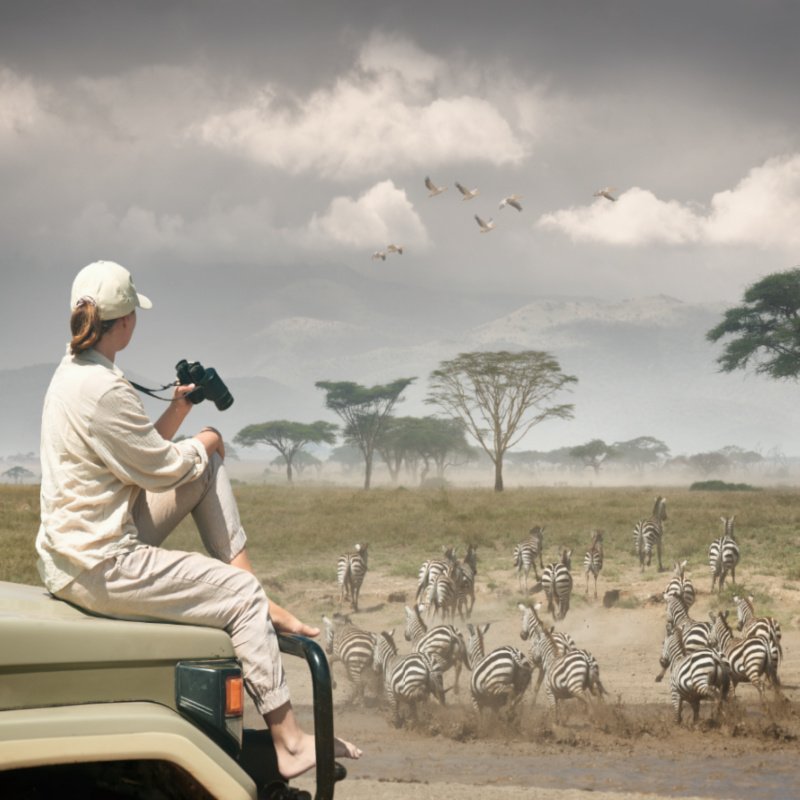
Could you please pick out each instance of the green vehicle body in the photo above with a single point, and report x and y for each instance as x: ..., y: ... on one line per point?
x: 134, y: 707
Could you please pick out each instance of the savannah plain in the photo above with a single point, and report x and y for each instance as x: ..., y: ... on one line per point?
x: 631, y: 746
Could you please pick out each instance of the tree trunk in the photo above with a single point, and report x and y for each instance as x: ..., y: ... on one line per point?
x: 288, y: 469
x: 498, y: 474
x: 367, y: 470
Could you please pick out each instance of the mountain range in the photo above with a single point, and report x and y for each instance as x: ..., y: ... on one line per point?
x: 643, y: 365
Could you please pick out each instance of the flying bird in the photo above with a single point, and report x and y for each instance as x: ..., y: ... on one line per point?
x: 433, y: 189
x: 394, y: 248
x: 379, y: 254
x: 607, y: 192
x: 486, y: 226
x: 513, y: 201
x: 468, y: 193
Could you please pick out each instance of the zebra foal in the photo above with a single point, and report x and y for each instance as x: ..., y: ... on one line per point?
x: 593, y: 560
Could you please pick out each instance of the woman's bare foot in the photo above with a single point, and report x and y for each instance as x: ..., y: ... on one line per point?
x: 302, y: 756
x: 295, y: 749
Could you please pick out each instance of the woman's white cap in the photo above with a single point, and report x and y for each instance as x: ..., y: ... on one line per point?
x: 111, y: 288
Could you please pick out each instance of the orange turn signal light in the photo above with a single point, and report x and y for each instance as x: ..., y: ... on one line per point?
x: 234, y: 696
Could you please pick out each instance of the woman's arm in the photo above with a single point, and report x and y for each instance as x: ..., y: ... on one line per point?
x: 170, y: 422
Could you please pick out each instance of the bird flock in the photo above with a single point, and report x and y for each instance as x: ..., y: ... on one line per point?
x: 705, y: 659
x: 485, y: 224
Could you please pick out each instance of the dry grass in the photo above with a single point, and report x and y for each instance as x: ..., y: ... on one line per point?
x: 296, y: 533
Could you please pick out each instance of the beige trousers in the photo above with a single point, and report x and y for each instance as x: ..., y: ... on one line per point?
x: 153, y: 584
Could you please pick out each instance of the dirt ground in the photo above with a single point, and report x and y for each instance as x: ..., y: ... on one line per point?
x: 631, y: 748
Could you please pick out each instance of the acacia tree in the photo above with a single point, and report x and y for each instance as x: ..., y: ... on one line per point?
x: 593, y: 454
x: 765, y: 329
x: 500, y: 396
x: 435, y: 441
x: 364, y: 411
x: 288, y: 438
x: 641, y: 451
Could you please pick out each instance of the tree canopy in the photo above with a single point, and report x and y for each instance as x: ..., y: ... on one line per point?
x: 288, y: 438
x: 765, y: 330
x: 500, y: 396
x: 364, y: 411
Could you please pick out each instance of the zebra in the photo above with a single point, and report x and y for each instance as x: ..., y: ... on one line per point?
x: 723, y: 555
x: 464, y: 573
x: 531, y: 627
x: 566, y: 674
x: 443, y: 595
x: 431, y: 568
x: 354, y: 647
x: 695, y: 675
x: 557, y: 585
x: 593, y: 560
x: 681, y: 585
x: 750, y: 659
x: 410, y: 679
x: 768, y: 628
x: 499, y: 678
x: 647, y: 534
x: 696, y: 633
x: 350, y: 571
x: 526, y: 554
x: 443, y: 642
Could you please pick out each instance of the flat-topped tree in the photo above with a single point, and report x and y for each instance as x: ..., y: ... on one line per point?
x: 764, y: 332
x: 364, y: 411
x: 288, y: 438
x: 500, y: 396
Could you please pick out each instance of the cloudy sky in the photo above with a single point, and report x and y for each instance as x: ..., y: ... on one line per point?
x: 221, y: 150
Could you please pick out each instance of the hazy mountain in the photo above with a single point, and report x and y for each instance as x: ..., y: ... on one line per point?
x: 643, y: 368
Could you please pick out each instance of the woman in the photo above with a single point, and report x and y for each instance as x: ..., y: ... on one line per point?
x: 114, y: 486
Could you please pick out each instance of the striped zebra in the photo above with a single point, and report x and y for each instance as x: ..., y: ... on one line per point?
x: 681, y: 584
x: 593, y: 560
x: 464, y: 573
x: 723, y: 555
x: 526, y: 554
x: 750, y: 659
x: 566, y: 674
x: 648, y: 533
x: 442, y: 642
x: 406, y: 679
x: 443, y: 595
x: 531, y: 629
x: 557, y: 585
x: 350, y: 571
x: 499, y: 679
x: 694, y: 676
x: 354, y: 647
x: 430, y: 569
x: 768, y: 628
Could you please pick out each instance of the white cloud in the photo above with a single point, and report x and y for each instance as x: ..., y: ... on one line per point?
x: 381, y: 215
x: 20, y: 105
x: 638, y: 217
x: 389, y: 111
x: 762, y: 210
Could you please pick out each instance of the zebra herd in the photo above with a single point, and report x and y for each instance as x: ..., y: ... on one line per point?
x: 499, y: 678
x: 704, y: 658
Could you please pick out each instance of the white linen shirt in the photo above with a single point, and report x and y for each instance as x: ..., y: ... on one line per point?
x: 98, y: 451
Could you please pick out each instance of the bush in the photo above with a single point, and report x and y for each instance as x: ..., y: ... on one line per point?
x: 722, y: 486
